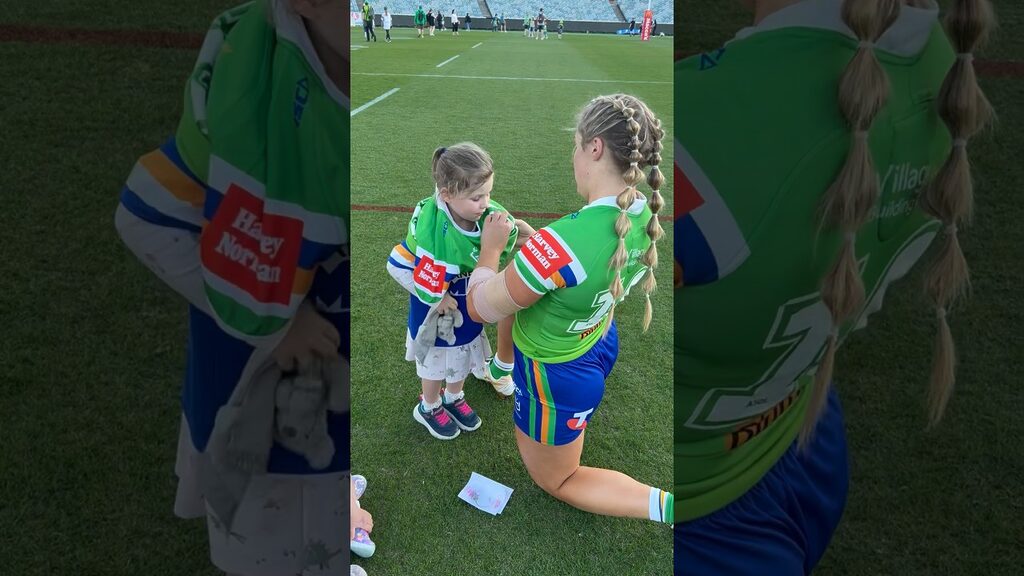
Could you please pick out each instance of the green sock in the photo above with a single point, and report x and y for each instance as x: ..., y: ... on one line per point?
x: 498, y: 369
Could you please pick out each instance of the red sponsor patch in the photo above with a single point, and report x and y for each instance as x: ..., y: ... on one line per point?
x: 577, y: 423
x: 545, y: 254
x: 689, y: 199
x: 429, y: 275
x: 254, y: 251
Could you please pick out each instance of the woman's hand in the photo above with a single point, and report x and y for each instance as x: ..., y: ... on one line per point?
x: 308, y: 334
x: 497, y: 227
x: 525, y: 231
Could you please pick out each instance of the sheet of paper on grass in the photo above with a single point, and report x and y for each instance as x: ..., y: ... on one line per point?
x: 486, y: 494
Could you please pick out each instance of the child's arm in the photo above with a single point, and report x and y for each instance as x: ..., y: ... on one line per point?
x: 401, y: 264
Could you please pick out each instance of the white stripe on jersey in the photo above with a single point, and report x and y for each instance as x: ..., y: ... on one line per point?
x: 153, y: 193
x: 713, y: 217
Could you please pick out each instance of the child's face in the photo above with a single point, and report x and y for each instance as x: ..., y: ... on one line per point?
x: 470, y: 207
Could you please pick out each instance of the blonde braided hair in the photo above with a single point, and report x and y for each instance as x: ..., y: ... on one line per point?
x: 949, y: 196
x: 632, y: 134
x: 863, y: 91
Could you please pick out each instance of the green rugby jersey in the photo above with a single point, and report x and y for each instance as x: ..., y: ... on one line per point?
x: 567, y: 262
x: 256, y: 168
x: 761, y: 138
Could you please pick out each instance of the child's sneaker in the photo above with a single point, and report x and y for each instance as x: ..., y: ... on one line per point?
x: 360, y: 483
x: 361, y: 545
x: 436, y: 421
x: 464, y: 416
x: 497, y: 378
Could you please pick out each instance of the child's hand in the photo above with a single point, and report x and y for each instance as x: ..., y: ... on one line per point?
x: 525, y: 231
x: 447, y: 304
x: 360, y: 519
x: 497, y: 227
x: 308, y: 334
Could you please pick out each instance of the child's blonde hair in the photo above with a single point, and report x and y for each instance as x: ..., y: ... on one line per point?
x: 863, y: 91
x: 632, y: 134
x: 461, y: 168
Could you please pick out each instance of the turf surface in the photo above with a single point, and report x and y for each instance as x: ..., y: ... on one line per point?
x: 525, y: 120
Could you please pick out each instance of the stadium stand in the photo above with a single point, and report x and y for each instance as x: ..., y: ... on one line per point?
x: 663, y: 9
x: 592, y: 10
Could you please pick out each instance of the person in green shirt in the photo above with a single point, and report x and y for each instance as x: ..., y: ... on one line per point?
x: 419, y: 20
x: 783, y: 250
x: 368, y: 21
x: 562, y: 287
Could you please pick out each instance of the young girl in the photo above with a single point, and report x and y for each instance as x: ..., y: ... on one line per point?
x: 433, y: 264
x: 386, y: 23
x: 784, y: 250
x: 245, y: 214
x: 562, y: 287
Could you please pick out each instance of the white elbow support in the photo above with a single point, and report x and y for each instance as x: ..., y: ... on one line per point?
x: 490, y: 295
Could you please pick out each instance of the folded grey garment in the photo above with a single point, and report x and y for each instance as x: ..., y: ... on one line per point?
x: 241, y: 440
x: 426, y: 335
x: 446, y: 325
x: 300, y: 422
x: 223, y: 489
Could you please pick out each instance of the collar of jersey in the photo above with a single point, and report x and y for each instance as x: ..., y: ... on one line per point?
x: 906, y: 37
x: 444, y: 208
x: 290, y: 27
x: 635, y: 208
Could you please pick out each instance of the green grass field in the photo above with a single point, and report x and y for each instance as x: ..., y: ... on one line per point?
x: 93, y: 352
x: 526, y: 124
x: 946, y: 502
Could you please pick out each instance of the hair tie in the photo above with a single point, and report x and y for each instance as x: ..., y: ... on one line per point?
x: 851, y: 237
x: 866, y: 44
x: 960, y: 143
x: 861, y: 134
x: 834, y: 333
x: 951, y: 229
x: 966, y: 56
x: 634, y: 164
x: 940, y: 312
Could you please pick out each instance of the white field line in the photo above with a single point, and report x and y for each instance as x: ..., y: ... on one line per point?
x: 448, y: 60
x: 585, y: 80
x: 374, y: 101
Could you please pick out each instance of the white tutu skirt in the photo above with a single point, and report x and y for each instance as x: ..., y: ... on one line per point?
x: 451, y: 365
x: 286, y: 524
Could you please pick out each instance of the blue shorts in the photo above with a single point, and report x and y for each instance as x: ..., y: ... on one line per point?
x: 554, y: 402
x: 783, y: 524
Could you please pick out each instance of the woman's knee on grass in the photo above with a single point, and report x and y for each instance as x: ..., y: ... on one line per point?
x: 551, y: 483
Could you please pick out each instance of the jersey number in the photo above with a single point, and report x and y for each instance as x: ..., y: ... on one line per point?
x: 602, y: 304
x: 800, y: 332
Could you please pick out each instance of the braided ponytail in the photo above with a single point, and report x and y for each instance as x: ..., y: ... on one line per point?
x: 655, y: 179
x: 949, y: 196
x: 863, y: 91
x: 632, y: 135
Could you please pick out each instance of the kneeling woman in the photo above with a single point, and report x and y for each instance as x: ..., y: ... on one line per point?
x: 562, y: 287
